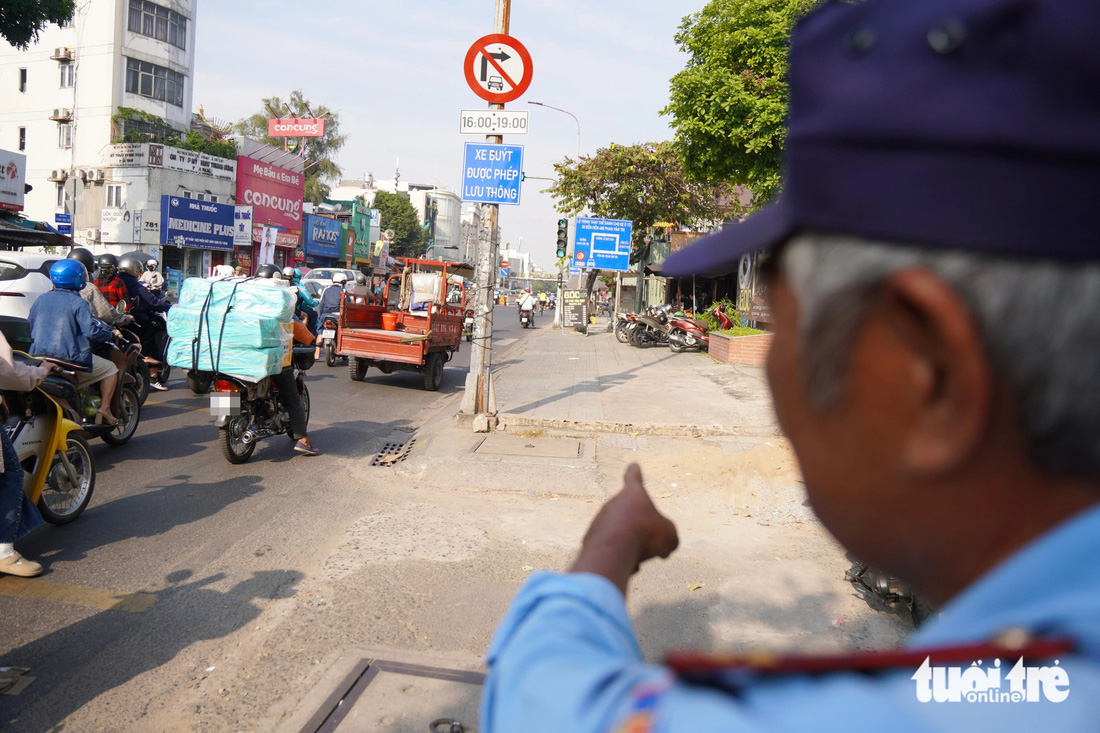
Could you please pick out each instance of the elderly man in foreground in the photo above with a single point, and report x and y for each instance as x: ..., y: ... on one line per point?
x: 935, y: 287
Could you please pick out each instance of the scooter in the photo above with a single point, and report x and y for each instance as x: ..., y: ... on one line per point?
x: 651, y: 330
x: 691, y: 333
x: 130, y: 346
x: 525, y: 318
x: 80, y: 405
x: 329, y: 327
x: 247, y: 412
x: 468, y: 326
x: 58, y: 465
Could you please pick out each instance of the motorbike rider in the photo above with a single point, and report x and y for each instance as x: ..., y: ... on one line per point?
x: 330, y: 303
x: 542, y: 301
x: 62, y: 328
x: 151, y: 278
x: 307, y: 304
x: 101, y: 309
x: 527, y: 302
x: 143, y: 307
x: 111, y: 286
x: 360, y: 286
x: 287, y: 387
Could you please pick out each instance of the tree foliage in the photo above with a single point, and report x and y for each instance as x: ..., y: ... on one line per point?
x: 397, y: 213
x: 729, y: 105
x: 319, y: 152
x: 22, y: 20
x: 645, y: 183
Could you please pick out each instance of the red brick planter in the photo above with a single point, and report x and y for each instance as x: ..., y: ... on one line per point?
x: 740, y: 349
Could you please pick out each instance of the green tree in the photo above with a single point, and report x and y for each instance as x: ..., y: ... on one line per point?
x: 22, y: 20
x: 644, y: 183
x: 398, y: 214
x: 318, y: 151
x: 729, y: 105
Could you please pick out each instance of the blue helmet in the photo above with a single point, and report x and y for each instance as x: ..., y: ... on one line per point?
x: 69, y: 274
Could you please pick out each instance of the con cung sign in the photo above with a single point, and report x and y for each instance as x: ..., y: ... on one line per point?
x: 284, y: 127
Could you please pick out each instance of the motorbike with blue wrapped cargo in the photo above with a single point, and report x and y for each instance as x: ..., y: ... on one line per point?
x: 240, y: 331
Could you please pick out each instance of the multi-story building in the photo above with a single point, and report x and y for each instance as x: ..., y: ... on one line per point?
x: 61, y: 95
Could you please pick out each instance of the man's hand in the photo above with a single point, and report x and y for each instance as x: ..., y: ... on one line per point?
x: 626, y: 532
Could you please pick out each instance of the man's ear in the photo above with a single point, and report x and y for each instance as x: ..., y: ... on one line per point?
x: 949, y: 378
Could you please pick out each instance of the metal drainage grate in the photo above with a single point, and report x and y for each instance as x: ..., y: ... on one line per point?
x: 393, y: 453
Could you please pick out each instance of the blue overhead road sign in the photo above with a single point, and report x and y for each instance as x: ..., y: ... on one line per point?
x: 602, y: 244
x: 491, y: 174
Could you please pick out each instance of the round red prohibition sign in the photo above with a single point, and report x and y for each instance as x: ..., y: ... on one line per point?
x: 498, y: 68
x: 580, y: 257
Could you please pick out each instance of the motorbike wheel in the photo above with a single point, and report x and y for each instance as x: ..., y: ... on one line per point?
x: 433, y: 372
x: 622, y: 333
x: 234, y: 448
x: 200, y: 382
x: 62, y: 500
x: 140, y: 372
x: 330, y: 354
x: 673, y: 346
x: 357, y: 368
x: 130, y: 409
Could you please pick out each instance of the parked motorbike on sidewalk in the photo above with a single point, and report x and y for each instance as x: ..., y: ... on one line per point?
x: 58, y: 465
x: 691, y: 333
x: 651, y: 330
x: 247, y: 412
x: 330, y: 327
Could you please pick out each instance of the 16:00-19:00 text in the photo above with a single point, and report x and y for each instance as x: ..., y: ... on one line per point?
x: 493, y: 122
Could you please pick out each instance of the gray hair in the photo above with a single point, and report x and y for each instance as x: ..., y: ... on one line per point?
x: 1038, y: 319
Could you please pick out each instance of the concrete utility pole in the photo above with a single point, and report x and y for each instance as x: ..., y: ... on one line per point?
x: 480, y: 398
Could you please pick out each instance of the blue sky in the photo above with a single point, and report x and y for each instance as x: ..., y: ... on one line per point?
x: 394, y: 73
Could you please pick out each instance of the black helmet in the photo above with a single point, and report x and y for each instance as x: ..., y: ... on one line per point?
x: 269, y: 271
x: 133, y: 263
x: 360, y: 279
x: 108, y: 265
x: 85, y: 257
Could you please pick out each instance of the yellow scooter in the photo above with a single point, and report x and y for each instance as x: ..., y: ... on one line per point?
x: 58, y: 465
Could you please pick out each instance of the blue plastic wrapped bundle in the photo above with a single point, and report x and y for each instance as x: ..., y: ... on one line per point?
x: 263, y: 298
x: 248, y: 364
x: 241, y: 328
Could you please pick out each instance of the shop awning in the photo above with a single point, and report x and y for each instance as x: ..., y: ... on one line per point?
x: 15, y: 231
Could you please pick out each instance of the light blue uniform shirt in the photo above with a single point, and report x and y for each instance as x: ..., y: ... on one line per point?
x: 565, y: 658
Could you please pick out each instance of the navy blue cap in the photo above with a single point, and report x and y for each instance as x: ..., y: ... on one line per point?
x: 950, y: 124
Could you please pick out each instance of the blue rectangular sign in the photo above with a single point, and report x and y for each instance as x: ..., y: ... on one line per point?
x: 194, y: 223
x: 63, y: 218
x: 491, y: 174
x: 322, y: 236
x: 66, y: 229
x: 602, y: 244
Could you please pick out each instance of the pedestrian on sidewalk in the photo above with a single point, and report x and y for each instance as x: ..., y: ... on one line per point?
x: 18, y: 516
x: 934, y: 280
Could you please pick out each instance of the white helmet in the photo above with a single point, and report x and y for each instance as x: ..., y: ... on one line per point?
x: 339, y: 278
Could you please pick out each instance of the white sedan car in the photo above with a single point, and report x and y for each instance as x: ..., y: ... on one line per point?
x: 323, y: 275
x: 23, y: 277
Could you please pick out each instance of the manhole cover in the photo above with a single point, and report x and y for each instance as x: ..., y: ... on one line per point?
x: 393, y: 453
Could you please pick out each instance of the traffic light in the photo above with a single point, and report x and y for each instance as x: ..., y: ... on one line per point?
x: 563, y: 237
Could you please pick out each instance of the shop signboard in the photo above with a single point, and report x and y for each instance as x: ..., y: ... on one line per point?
x: 574, y: 308
x: 242, y: 226
x: 274, y: 193
x: 149, y: 231
x: 157, y: 155
x: 116, y: 226
x: 13, y: 179
x: 193, y: 223
x: 296, y: 127
x: 322, y: 236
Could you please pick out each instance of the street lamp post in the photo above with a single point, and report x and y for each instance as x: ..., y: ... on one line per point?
x: 558, y: 320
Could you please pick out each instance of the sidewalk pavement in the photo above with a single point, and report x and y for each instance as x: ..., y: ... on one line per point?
x: 464, y: 518
x: 563, y: 379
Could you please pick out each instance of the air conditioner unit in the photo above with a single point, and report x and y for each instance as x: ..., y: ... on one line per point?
x: 62, y: 114
x: 62, y: 53
x: 59, y: 174
x: 96, y: 174
x: 92, y: 235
